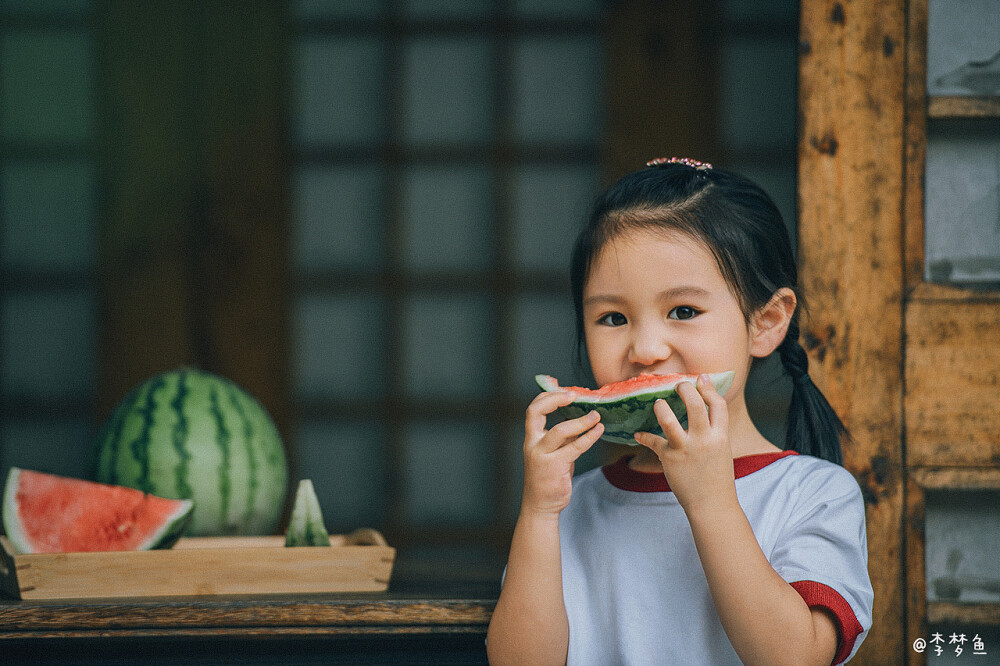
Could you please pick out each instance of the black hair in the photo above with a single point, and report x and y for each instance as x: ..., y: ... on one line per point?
x: 743, y: 229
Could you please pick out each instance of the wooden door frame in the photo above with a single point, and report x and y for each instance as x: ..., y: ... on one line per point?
x: 908, y: 364
x: 951, y: 341
x: 852, y: 113
x: 193, y: 241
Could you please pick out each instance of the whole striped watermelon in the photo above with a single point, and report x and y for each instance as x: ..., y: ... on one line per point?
x: 190, y: 434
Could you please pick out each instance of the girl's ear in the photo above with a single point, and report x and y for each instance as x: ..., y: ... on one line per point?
x: 770, y: 323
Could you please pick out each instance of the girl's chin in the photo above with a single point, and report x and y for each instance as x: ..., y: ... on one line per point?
x: 645, y: 461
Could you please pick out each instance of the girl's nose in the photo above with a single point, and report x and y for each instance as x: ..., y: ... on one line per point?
x: 649, y: 346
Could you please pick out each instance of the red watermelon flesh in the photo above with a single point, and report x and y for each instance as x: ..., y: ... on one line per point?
x: 619, y: 390
x: 47, y: 513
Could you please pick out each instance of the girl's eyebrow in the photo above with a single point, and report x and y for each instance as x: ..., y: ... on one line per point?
x: 602, y: 298
x: 683, y: 291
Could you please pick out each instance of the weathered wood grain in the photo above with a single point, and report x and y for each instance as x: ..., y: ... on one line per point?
x: 956, y: 478
x: 287, y: 615
x: 952, y: 378
x: 914, y: 535
x: 916, y: 143
x: 963, y: 107
x: 969, y: 615
x: 851, y: 98
x: 259, y: 566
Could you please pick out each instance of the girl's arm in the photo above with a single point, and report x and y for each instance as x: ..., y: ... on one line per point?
x: 766, y: 620
x: 529, y: 624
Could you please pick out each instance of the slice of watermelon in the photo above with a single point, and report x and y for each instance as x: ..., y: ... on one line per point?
x: 626, y: 407
x: 306, y: 527
x: 46, y: 513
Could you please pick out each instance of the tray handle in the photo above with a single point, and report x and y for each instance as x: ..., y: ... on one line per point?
x: 365, y: 536
x: 9, y: 586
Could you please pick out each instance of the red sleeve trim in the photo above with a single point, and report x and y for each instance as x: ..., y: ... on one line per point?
x: 818, y: 595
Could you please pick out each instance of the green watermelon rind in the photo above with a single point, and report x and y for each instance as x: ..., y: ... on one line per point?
x: 306, y: 526
x: 165, y: 537
x: 623, y: 417
x: 11, y: 522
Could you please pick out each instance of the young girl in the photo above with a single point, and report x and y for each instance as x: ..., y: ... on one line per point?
x: 709, y: 545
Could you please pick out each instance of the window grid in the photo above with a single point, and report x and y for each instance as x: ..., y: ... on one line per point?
x: 22, y: 410
x: 501, y: 410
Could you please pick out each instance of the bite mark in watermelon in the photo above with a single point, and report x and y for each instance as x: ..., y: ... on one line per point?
x: 626, y: 407
x: 47, y: 513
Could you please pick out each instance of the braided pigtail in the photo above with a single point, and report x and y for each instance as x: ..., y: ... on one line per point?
x: 813, y: 427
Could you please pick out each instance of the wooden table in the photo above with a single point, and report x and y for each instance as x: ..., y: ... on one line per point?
x: 434, y: 625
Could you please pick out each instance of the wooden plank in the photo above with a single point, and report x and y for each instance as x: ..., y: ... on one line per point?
x: 192, y: 249
x: 974, y: 615
x: 956, y: 478
x: 916, y: 575
x: 916, y: 142
x: 150, y: 161
x: 922, y: 613
x: 914, y: 534
x: 963, y: 107
x: 364, y: 536
x: 662, y: 94
x: 952, y: 357
x: 242, y: 265
x: 851, y: 99
x: 928, y: 292
x: 287, y: 615
x: 265, y: 567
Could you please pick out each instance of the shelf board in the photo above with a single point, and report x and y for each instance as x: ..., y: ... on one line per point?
x: 956, y: 478
x: 942, y: 107
x: 946, y: 612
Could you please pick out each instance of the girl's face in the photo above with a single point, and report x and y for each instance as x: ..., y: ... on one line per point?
x: 658, y: 304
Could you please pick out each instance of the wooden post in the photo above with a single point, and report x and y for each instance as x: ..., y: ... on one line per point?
x: 662, y: 82
x: 851, y: 99
x: 193, y: 242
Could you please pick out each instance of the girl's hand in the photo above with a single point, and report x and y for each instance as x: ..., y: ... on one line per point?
x: 549, y: 455
x: 698, y: 462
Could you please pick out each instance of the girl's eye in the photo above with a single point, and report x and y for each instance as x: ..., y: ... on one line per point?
x: 682, y: 312
x: 613, y: 319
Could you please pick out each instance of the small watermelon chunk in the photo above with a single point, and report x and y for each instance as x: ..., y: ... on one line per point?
x: 306, y: 527
x: 626, y: 407
x: 47, y: 513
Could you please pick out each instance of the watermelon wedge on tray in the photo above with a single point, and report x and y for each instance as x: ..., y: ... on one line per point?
x: 626, y: 407
x: 306, y: 527
x: 47, y: 513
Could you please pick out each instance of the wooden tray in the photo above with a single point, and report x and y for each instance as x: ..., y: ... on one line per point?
x: 357, y: 562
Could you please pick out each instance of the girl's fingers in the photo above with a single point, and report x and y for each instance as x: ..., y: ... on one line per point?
x: 651, y: 441
x: 577, y: 447
x: 671, y: 427
x: 543, y: 405
x: 718, y: 410
x: 697, y: 411
x: 564, y: 432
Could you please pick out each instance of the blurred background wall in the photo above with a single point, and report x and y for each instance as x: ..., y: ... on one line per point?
x: 359, y: 210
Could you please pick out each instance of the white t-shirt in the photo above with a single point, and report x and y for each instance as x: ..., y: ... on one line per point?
x: 634, y: 588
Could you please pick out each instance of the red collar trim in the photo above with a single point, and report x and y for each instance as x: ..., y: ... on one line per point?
x: 620, y: 475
